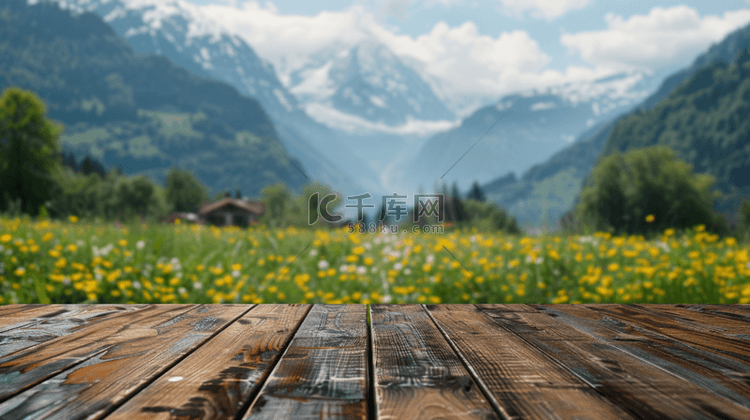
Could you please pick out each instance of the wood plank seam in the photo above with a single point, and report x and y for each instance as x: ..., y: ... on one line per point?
x: 169, y: 366
x: 618, y: 348
x: 72, y: 365
x: 657, y: 334
x: 542, y: 351
x: 480, y: 383
x: 57, y: 319
x: 242, y: 411
x: 322, y: 372
x: 371, y: 398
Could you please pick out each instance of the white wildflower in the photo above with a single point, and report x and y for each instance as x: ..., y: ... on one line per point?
x: 323, y: 265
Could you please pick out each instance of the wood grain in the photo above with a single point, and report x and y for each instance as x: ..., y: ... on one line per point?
x: 217, y: 379
x: 417, y: 374
x: 700, y: 335
x: 21, y: 370
x: 521, y: 381
x: 137, y: 354
x: 34, y: 326
x: 15, y: 310
x: 721, y: 322
x: 323, y: 373
x: 628, y: 380
x: 14, y: 316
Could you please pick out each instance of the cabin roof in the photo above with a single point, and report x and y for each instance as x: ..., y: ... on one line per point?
x: 253, y: 206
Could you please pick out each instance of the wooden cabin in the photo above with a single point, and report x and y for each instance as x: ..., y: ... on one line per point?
x: 230, y: 211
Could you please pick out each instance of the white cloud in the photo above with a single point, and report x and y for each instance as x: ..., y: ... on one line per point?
x: 464, y: 62
x: 351, y: 123
x: 663, y: 38
x: 288, y: 41
x: 542, y: 9
x: 457, y: 61
x: 541, y: 106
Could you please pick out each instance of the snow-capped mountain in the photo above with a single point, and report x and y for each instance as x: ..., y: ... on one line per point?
x: 366, y: 81
x: 177, y: 30
x: 524, y: 129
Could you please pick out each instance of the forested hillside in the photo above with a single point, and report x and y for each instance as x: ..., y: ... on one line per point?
x: 705, y: 121
x: 142, y: 113
x: 551, y: 188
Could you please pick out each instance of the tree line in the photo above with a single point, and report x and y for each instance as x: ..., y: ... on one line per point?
x: 642, y: 191
x: 39, y: 179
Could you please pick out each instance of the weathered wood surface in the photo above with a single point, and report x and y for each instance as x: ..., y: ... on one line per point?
x: 630, y: 376
x: 182, y: 362
x: 522, y: 381
x: 37, y: 325
x: 323, y: 373
x: 417, y: 374
x: 216, y: 380
x: 123, y: 359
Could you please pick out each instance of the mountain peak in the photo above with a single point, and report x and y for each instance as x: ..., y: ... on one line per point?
x: 366, y: 81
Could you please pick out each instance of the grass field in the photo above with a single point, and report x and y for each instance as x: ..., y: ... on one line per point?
x: 77, y: 262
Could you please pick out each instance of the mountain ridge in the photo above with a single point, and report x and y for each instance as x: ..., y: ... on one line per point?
x: 559, y: 166
x: 176, y: 29
x: 141, y: 112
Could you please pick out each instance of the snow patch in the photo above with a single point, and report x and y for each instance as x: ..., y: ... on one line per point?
x: 541, y: 106
x: 282, y: 99
x: 334, y: 118
x: 315, y: 83
x: 595, y: 109
x: 377, y: 101
x: 116, y: 13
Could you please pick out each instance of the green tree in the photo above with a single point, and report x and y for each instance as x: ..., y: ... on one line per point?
x: 644, y: 191
x: 139, y: 194
x: 90, y: 165
x: 488, y: 216
x: 80, y: 194
x: 744, y: 219
x: 276, y: 198
x: 185, y: 193
x: 475, y: 193
x: 29, y: 151
x: 455, y: 206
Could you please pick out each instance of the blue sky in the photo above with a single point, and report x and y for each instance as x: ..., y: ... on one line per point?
x: 474, y: 47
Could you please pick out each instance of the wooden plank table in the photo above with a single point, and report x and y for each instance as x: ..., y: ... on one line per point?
x: 386, y: 361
